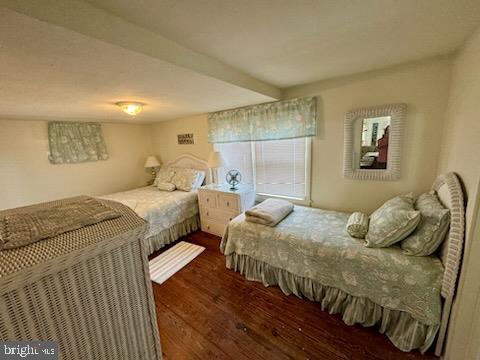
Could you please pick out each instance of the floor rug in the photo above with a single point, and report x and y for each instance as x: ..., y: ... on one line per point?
x: 168, y: 263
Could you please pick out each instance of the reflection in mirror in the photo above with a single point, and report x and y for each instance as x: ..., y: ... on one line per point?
x: 374, y: 143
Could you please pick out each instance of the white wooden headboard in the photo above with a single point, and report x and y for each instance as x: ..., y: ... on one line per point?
x: 450, y: 193
x: 190, y: 161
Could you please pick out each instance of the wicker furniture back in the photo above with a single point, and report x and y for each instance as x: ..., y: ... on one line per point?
x: 88, y: 289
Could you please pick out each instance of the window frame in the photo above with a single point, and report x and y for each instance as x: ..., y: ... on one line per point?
x: 306, y: 201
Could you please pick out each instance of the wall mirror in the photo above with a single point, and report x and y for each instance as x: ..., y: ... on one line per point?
x: 373, y: 138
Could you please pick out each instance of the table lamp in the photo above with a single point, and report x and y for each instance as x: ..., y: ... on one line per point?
x: 215, y: 161
x: 152, y: 163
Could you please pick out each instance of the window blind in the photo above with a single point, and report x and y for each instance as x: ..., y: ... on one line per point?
x: 280, y: 167
x: 276, y: 167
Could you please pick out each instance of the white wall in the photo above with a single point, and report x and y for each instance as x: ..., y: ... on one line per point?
x: 27, y: 177
x: 460, y: 153
x: 164, y: 135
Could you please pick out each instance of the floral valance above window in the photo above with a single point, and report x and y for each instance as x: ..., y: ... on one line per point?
x: 75, y: 142
x: 272, y: 121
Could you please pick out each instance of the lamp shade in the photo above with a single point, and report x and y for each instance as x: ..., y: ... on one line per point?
x: 215, y: 160
x: 152, y: 162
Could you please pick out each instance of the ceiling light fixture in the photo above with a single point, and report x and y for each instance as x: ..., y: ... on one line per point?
x: 130, y: 108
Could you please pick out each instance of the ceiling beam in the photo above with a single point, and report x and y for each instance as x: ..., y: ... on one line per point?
x: 91, y: 21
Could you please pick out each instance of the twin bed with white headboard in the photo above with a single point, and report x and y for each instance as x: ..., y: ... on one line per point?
x: 170, y: 215
x: 310, y: 254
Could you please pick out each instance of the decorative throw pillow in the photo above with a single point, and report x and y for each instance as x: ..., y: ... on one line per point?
x: 165, y: 186
x: 432, y: 228
x: 357, y: 225
x: 392, y: 222
x: 164, y: 176
x: 185, y: 179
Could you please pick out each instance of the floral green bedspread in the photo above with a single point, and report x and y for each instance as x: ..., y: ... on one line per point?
x: 314, y: 243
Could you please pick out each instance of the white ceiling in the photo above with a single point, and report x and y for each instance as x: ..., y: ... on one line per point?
x: 73, y: 59
x: 291, y: 42
x: 51, y: 73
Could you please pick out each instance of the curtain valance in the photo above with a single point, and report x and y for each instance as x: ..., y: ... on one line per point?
x: 272, y: 121
x: 72, y: 142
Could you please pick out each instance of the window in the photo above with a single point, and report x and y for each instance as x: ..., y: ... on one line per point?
x: 237, y: 156
x: 278, y: 168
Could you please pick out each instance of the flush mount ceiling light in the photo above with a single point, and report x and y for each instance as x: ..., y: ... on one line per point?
x: 130, y: 108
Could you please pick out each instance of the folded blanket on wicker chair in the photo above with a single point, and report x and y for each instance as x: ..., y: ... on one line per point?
x: 269, y: 212
x: 27, y: 227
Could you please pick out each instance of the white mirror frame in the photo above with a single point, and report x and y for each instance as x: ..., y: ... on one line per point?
x: 397, y: 113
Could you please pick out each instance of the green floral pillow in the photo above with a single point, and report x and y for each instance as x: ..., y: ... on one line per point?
x: 357, y: 225
x: 432, y: 228
x: 392, y: 222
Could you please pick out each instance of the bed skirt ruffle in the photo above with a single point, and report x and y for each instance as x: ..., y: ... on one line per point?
x: 405, y: 332
x: 167, y: 236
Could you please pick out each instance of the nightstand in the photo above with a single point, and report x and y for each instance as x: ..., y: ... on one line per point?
x: 219, y: 205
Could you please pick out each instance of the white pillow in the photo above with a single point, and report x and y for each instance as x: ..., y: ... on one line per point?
x: 165, y: 186
x: 185, y: 179
x: 164, y: 175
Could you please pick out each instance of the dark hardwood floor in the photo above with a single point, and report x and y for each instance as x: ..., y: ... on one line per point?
x: 206, y: 311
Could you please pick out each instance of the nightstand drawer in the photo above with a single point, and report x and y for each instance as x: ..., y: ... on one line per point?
x: 218, y: 215
x: 207, y: 198
x: 220, y: 204
x: 213, y: 227
x: 229, y: 202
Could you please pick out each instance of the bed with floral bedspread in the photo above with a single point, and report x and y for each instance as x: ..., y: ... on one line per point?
x: 311, y: 255
x: 170, y: 215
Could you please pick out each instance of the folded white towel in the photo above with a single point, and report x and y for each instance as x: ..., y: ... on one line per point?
x: 269, y: 212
